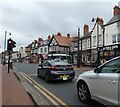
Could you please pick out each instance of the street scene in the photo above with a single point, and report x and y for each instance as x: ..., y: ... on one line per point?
x: 64, y: 53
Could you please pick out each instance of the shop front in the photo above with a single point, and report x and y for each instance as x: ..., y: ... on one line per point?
x: 109, y: 52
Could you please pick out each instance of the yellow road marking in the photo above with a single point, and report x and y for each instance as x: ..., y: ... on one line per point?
x: 41, y: 91
x: 26, y: 78
x: 59, y: 100
x: 46, y: 95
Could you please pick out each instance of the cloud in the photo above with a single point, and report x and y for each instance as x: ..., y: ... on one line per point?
x: 29, y: 20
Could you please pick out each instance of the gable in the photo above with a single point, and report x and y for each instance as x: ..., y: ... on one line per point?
x: 53, y: 42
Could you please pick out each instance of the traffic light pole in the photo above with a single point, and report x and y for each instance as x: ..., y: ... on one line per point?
x: 4, y: 62
x: 8, y: 61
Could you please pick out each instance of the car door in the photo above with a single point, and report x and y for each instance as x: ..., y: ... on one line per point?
x: 119, y: 82
x: 46, y: 68
x: 105, y: 82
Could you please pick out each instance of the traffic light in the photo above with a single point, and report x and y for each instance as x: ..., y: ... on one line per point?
x: 9, y: 44
x: 14, y: 44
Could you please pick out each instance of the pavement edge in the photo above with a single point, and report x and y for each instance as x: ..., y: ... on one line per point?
x: 35, y: 102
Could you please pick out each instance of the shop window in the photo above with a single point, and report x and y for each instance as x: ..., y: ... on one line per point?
x: 88, y: 58
x: 76, y: 58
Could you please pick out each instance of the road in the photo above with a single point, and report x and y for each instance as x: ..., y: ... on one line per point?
x: 65, y: 90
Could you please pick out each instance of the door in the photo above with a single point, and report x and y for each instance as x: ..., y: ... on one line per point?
x: 105, y: 83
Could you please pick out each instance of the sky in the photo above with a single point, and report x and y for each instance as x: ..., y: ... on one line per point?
x: 27, y: 20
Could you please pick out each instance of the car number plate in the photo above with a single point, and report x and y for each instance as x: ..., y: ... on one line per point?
x: 65, y: 77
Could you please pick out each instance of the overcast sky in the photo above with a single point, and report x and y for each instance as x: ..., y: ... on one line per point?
x: 30, y: 19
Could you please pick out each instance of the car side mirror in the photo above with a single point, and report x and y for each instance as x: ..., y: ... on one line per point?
x: 96, y: 70
x: 40, y: 65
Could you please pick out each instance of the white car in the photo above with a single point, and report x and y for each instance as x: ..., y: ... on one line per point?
x: 101, y: 84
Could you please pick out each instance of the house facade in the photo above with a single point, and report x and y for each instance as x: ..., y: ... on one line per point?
x: 97, y: 40
x: 59, y: 44
x: 112, y: 36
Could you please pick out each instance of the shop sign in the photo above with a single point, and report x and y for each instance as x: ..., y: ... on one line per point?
x: 109, y: 48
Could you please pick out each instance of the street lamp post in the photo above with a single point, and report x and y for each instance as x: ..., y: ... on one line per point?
x: 78, y: 54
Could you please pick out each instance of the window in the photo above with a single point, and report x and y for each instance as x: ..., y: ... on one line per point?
x: 53, y: 48
x: 94, y: 41
x: 118, y: 38
x: 45, y: 49
x: 88, y: 43
x: 113, y: 38
x: 46, y: 64
x: 111, y: 67
x: 84, y: 44
x: 88, y: 58
x: 41, y: 50
x: 100, y: 39
x: 75, y: 57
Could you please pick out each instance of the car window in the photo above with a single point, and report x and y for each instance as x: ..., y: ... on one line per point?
x: 59, y: 63
x: 46, y: 63
x: 111, y: 67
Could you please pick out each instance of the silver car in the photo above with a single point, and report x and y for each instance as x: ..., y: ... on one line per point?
x: 101, y: 84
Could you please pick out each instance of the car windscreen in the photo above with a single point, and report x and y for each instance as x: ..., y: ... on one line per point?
x: 59, y: 63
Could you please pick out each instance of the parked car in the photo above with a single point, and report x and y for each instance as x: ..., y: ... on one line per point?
x: 56, y: 70
x: 101, y: 84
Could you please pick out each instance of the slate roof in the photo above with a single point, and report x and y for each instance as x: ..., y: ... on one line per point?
x: 113, y: 20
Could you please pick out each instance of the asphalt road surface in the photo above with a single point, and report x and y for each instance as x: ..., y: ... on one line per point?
x: 65, y: 90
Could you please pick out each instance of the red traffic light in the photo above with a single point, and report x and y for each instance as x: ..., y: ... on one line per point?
x: 10, y: 42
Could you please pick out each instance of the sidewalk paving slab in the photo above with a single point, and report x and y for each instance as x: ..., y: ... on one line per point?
x: 83, y: 68
x: 13, y: 93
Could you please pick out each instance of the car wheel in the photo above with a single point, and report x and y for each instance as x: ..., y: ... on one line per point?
x: 71, y: 79
x: 83, y: 92
x: 46, y: 78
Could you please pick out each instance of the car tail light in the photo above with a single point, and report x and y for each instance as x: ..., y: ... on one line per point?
x: 53, y: 67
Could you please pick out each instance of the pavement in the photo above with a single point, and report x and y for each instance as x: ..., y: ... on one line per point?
x: 83, y: 68
x: 13, y: 92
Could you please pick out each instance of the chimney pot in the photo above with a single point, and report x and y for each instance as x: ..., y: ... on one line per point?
x: 40, y: 39
x: 86, y: 29
x: 49, y: 37
x: 100, y: 21
x: 59, y: 34
x: 68, y: 35
x: 116, y: 10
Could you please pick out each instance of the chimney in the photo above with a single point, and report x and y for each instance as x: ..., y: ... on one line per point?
x: 86, y: 29
x: 40, y: 39
x: 49, y: 37
x: 35, y: 41
x: 59, y: 34
x: 68, y: 35
x: 116, y: 10
x: 100, y: 21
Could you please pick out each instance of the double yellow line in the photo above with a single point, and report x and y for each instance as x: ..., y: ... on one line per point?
x: 44, y: 91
